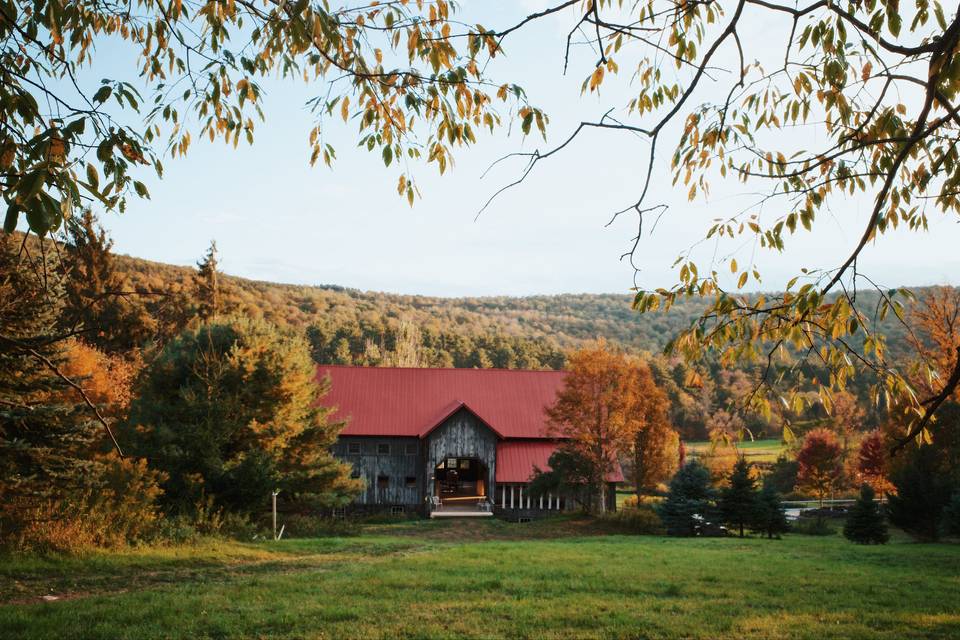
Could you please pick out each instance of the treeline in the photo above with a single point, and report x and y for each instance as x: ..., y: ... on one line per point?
x: 114, y: 432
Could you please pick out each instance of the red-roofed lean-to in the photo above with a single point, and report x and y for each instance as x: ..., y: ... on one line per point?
x: 518, y: 460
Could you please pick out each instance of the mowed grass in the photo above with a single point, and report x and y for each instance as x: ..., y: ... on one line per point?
x: 766, y: 450
x: 484, y: 580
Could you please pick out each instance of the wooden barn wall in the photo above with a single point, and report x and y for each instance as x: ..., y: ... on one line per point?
x: 462, y: 435
x: 397, y: 465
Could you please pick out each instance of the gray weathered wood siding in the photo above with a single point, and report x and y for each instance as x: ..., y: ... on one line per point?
x: 462, y: 435
x: 399, y: 464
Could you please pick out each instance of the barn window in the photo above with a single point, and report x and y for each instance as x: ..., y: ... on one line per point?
x: 412, y: 449
x: 451, y: 463
x: 355, y: 473
x: 354, y: 448
x: 524, y: 520
x: 411, y: 482
x: 383, y: 449
x: 339, y: 513
x: 396, y: 510
x: 465, y: 464
x: 383, y: 482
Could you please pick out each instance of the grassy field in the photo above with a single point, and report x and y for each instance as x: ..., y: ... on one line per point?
x: 490, y: 579
x: 754, y: 450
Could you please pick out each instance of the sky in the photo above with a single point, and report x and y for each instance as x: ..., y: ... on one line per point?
x: 276, y: 218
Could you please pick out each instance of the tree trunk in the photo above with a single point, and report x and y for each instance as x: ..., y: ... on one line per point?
x: 602, y: 494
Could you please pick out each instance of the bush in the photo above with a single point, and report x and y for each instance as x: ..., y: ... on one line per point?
x: 812, y: 527
x: 118, y: 509
x: 642, y: 520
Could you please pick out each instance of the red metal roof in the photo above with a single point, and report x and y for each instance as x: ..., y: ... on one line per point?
x: 518, y: 460
x: 411, y: 402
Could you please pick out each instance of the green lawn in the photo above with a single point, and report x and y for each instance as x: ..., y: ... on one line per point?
x: 754, y: 450
x: 491, y: 579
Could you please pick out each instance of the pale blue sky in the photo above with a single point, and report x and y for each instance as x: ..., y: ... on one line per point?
x: 276, y: 218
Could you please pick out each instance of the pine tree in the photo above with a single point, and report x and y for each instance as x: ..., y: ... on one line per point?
x: 738, y: 500
x: 769, y: 517
x: 96, y: 303
x: 689, y: 504
x: 207, y: 285
x: 923, y: 488
x: 865, y: 523
x: 231, y: 409
x: 46, y: 437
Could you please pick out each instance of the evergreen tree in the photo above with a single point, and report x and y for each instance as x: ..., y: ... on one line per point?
x: 951, y: 515
x: 769, y: 517
x: 689, y: 504
x: 207, y: 285
x: 782, y: 475
x: 922, y: 493
x: 738, y: 500
x: 46, y: 436
x: 96, y: 303
x: 865, y: 523
x: 231, y: 409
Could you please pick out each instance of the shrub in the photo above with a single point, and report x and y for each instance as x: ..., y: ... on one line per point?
x: 813, y: 527
x: 865, y: 523
x: 642, y: 520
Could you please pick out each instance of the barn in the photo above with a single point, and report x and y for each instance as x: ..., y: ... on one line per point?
x: 448, y: 442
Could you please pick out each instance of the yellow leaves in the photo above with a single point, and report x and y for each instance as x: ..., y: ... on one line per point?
x: 742, y: 280
x: 733, y: 265
x: 867, y: 70
x: 596, y: 78
x: 345, y: 108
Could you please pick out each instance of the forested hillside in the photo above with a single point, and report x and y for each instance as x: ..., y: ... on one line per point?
x: 553, y: 323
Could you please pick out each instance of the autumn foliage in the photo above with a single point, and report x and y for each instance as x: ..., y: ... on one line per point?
x: 820, y: 463
x: 607, y: 399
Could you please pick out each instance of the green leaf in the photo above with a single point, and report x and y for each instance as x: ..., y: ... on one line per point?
x: 37, y: 219
x: 102, y: 94
x: 387, y: 155
x: 92, y: 176
x: 10, y: 221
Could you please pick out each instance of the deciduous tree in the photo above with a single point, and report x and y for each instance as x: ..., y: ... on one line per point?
x: 872, y: 462
x: 600, y: 408
x: 820, y: 461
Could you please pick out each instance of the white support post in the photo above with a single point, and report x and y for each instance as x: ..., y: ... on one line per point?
x: 511, y: 495
x: 541, y: 502
x: 521, y: 496
x: 503, y: 498
x: 549, y: 501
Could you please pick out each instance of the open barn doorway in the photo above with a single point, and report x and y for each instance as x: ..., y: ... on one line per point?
x: 460, y: 481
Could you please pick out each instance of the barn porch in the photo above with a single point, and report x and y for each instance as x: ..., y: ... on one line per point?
x: 461, y: 512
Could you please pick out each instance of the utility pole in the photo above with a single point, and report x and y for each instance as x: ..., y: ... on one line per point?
x: 274, y: 494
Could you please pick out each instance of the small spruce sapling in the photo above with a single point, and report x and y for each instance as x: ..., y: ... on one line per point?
x: 865, y: 524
